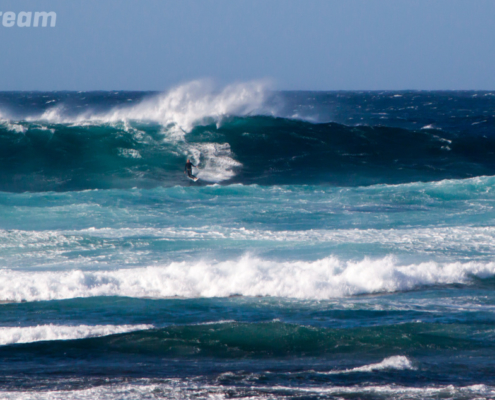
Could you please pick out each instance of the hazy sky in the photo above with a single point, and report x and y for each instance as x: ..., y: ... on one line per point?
x: 298, y: 44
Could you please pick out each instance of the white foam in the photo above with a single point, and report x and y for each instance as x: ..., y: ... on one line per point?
x: 179, y: 111
x: 396, y: 391
x: 196, y: 102
x: 417, y: 240
x: 248, y: 276
x: 394, y: 362
x: 218, y: 164
x: 129, y: 153
x: 191, y: 388
x: 29, y: 334
x: 12, y: 126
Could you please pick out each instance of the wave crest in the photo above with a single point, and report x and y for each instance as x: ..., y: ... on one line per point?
x: 30, y: 334
x: 391, y: 363
x: 194, y: 103
x: 248, y: 276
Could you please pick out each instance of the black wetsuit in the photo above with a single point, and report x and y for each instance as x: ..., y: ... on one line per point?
x: 188, y: 169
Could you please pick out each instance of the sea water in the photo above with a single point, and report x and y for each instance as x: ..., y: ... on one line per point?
x: 337, y: 244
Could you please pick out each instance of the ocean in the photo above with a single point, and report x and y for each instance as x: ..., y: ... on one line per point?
x: 338, y: 245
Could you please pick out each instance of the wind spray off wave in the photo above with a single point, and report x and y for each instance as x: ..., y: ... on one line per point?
x: 186, y: 106
x: 152, y: 130
x: 348, y: 251
x: 243, y: 133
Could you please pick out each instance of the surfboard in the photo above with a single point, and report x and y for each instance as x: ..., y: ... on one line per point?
x: 193, y: 178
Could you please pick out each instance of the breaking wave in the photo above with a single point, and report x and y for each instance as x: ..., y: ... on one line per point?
x: 390, y: 363
x: 186, y: 106
x: 248, y: 150
x: 30, y: 334
x: 248, y: 276
x: 238, y: 134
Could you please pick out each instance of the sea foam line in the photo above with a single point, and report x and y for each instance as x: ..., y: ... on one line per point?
x: 248, y: 276
x: 12, y: 237
x: 187, y: 388
x: 29, y: 334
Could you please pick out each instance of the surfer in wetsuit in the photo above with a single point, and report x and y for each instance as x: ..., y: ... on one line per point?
x: 188, y: 169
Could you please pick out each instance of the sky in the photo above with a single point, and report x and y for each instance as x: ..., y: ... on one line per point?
x: 294, y: 44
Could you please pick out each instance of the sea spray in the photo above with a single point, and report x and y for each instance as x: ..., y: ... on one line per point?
x: 345, y: 248
x: 194, y: 103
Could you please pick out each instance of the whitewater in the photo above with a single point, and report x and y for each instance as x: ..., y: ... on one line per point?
x: 336, y: 245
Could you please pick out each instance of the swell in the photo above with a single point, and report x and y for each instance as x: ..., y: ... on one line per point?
x: 272, y: 339
x: 62, y: 157
x: 261, y: 357
x: 37, y: 156
x: 277, y: 150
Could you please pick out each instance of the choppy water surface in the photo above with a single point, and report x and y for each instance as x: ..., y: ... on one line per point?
x: 337, y: 245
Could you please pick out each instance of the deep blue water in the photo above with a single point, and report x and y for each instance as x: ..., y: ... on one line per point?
x: 337, y: 244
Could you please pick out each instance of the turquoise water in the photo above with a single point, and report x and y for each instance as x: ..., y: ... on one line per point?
x: 121, y: 279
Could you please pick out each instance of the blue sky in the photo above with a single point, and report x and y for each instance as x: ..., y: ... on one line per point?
x: 297, y: 44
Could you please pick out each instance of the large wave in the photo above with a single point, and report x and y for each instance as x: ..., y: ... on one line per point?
x: 186, y: 106
x: 138, y: 144
x: 240, y: 133
x: 263, y: 150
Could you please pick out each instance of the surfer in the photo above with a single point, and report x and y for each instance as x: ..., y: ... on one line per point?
x: 188, y: 169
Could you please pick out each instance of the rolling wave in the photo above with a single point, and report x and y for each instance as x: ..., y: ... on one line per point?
x: 281, y: 273
x: 239, y: 134
x: 262, y: 150
x: 248, y: 276
x: 278, y: 339
x: 50, y: 332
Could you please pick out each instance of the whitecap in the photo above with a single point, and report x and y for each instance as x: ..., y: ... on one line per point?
x: 248, y: 276
x: 30, y: 334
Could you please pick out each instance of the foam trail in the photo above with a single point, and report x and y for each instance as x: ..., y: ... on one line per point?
x: 29, y: 334
x: 187, y: 105
x: 248, y: 276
